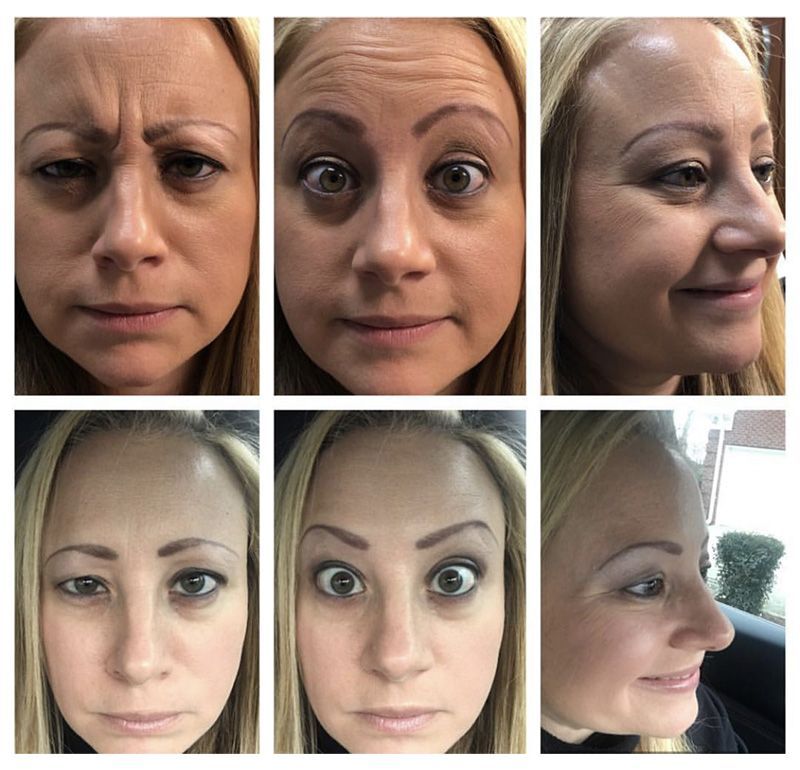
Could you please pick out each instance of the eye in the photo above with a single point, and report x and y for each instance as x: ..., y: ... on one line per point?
x: 459, y: 178
x: 339, y: 581
x: 704, y: 572
x: 454, y: 580
x: 688, y: 176
x: 328, y: 177
x: 83, y: 586
x: 647, y: 589
x: 190, y: 166
x: 69, y: 168
x: 196, y: 584
x: 764, y: 172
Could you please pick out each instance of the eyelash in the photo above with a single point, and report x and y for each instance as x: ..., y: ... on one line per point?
x: 67, y: 587
x: 660, y: 582
x: 701, y: 178
x: 311, y: 181
x: 78, y: 169
x: 328, y: 571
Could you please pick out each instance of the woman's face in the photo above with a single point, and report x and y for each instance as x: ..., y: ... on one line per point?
x: 626, y: 614
x: 399, y: 211
x: 674, y: 228
x: 135, y: 194
x: 144, y: 591
x: 400, y: 591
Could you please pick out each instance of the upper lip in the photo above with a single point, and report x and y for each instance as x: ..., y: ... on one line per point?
x: 394, y: 322
x: 731, y: 285
x: 142, y: 716
x: 133, y: 308
x: 405, y: 712
x: 675, y: 674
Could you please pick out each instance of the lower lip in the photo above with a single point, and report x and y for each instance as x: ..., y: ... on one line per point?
x: 394, y: 337
x: 141, y: 727
x: 131, y: 322
x: 734, y: 301
x: 677, y: 685
x: 398, y: 725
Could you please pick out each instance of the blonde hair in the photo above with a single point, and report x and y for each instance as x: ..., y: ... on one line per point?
x: 39, y: 724
x: 500, y: 728
x: 575, y: 447
x: 502, y: 371
x: 569, y: 49
x: 230, y: 362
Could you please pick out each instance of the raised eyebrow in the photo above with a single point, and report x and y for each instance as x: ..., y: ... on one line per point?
x: 341, y: 120
x: 674, y: 549
x: 424, y: 124
x: 442, y: 534
x: 348, y: 538
x: 190, y: 542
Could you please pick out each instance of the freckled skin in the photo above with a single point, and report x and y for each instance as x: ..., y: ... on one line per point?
x: 398, y: 644
x: 633, y: 243
x: 136, y: 231
x: 393, y: 246
x: 597, y: 639
x: 140, y: 647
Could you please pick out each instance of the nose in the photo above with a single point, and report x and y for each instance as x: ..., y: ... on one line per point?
x: 397, y: 646
x: 138, y: 651
x: 130, y: 234
x: 395, y: 245
x: 704, y: 626
x: 752, y: 223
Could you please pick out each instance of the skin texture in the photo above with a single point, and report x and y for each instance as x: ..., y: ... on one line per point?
x: 641, y: 231
x: 394, y: 243
x: 137, y: 643
x: 397, y: 644
x: 598, y: 637
x: 135, y: 218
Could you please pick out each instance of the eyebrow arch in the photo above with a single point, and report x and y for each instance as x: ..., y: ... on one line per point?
x: 190, y: 542
x: 441, y: 534
x: 703, y: 129
x: 90, y: 549
x: 108, y: 554
x: 670, y: 547
x: 86, y: 131
x: 159, y: 130
x: 423, y: 125
x: 342, y: 121
x: 348, y: 538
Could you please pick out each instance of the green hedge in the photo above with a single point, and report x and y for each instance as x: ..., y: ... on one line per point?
x: 746, y: 564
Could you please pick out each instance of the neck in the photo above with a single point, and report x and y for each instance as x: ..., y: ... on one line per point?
x: 563, y: 732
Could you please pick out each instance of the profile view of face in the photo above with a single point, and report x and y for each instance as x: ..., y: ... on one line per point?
x: 400, y: 591
x: 626, y: 614
x: 674, y: 230
x: 399, y: 210
x: 144, y: 591
x: 135, y: 195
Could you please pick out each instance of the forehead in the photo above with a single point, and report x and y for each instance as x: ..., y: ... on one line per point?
x: 177, y: 64
x: 148, y: 489
x: 389, y: 485
x: 643, y: 493
x: 671, y: 70
x: 366, y: 65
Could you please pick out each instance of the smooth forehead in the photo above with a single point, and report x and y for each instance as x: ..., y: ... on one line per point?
x: 375, y: 480
x: 154, y: 485
x: 644, y: 492
x: 365, y: 64
x: 664, y: 66
x: 184, y: 61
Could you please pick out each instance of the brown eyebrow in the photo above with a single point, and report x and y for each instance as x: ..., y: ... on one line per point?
x: 159, y: 130
x: 86, y: 131
x: 348, y: 538
x: 108, y: 554
x: 670, y: 547
x: 342, y: 121
x: 423, y: 125
x: 441, y: 534
x: 703, y: 129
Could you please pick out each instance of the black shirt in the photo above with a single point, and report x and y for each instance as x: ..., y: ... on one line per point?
x: 711, y: 733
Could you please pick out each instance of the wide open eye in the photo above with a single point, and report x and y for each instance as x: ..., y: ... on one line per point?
x: 454, y: 580
x: 459, y: 178
x: 339, y: 581
x: 196, y: 583
x: 326, y: 177
x: 86, y: 585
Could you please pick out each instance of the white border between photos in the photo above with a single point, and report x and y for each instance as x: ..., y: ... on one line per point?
x: 533, y: 11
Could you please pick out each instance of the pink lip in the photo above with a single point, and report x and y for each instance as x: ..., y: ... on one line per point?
x: 393, y: 331
x: 727, y: 296
x: 398, y: 721
x: 142, y: 723
x: 130, y: 318
x: 675, y: 682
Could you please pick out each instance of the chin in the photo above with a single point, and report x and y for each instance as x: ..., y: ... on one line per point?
x: 379, y: 381
x: 672, y: 722
x: 121, y: 373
